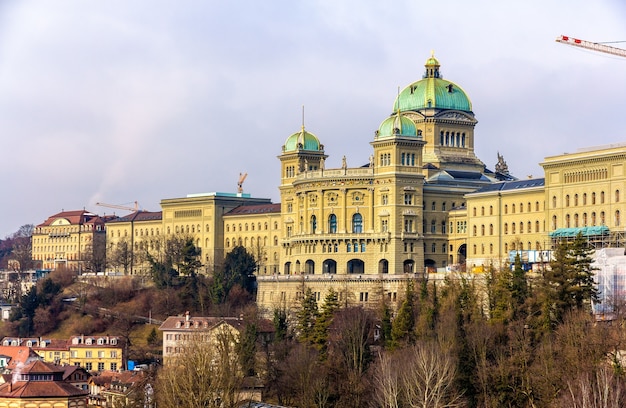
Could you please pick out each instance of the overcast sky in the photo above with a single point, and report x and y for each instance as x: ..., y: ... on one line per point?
x: 123, y: 101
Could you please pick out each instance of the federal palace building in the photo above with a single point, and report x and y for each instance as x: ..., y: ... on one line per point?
x: 421, y: 204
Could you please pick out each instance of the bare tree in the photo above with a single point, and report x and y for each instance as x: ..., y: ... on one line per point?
x: 205, y: 375
x: 428, y: 378
x: 603, y: 389
x: 387, y: 380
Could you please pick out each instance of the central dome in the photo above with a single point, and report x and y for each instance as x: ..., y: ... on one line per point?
x: 432, y: 92
x: 302, y: 140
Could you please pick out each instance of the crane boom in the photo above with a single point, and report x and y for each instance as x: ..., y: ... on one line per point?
x: 563, y: 39
x: 120, y: 207
x: 242, y: 178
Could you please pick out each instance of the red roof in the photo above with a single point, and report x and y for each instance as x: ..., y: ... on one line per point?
x: 21, y: 388
x: 77, y: 217
x: 17, y: 355
x: 255, y: 209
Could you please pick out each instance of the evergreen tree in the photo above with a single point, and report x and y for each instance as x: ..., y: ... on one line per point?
x: 246, y: 349
x: 519, y: 285
x: 568, y: 283
x: 585, y: 290
x: 324, y: 320
x: 280, y: 324
x: 238, y: 269
x: 306, y: 316
x: 404, y: 323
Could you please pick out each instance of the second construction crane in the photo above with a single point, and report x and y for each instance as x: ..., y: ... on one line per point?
x: 564, y: 39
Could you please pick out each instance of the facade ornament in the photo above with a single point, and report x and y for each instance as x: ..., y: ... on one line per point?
x: 501, y: 166
x: 344, y: 163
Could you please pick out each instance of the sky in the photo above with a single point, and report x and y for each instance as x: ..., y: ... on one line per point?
x: 123, y: 101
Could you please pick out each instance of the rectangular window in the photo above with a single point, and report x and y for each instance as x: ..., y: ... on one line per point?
x: 88, y: 366
x: 100, y: 366
x: 384, y: 199
x: 408, y: 199
x: 88, y: 354
x: 408, y: 225
x: 363, y: 296
x: 384, y: 225
x: 113, y: 366
x: 100, y: 354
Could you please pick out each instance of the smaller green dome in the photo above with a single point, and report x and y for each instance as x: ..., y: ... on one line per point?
x: 397, y: 125
x: 302, y: 140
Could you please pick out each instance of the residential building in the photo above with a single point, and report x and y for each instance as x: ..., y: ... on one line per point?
x: 97, y: 353
x: 40, y: 384
x: 70, y: 239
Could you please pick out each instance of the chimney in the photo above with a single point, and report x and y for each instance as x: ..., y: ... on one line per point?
x: 187, y: 316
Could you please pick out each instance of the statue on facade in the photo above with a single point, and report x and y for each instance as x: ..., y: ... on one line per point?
x: 501, y: 166
x: 344, y: 163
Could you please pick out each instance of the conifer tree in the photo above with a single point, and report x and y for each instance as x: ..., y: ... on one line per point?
x: 404, y: 323
x: 324, y: 320
x: 306, y: 316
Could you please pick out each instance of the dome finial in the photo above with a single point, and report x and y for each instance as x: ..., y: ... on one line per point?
x: 302, y: 118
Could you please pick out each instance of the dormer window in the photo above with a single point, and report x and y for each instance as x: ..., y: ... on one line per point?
x: 100, y: 341
x: 113, y: 341
x: 88, y: 341
x: 178, y: 324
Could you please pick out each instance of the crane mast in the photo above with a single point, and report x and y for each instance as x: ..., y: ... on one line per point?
x: 563, y: 39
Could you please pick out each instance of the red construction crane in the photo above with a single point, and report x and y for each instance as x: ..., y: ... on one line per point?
x: 563, y: 39
x: 120, y: 207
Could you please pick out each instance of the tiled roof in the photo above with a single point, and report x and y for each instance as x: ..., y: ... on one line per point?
x: 40, y: 389
x: 77, y: 217
x: 172, y: 322
x: 255, y: 209
x: 19, y: 388
x: 17, y: 354
x: 512, y: 185
x: 140, y: 216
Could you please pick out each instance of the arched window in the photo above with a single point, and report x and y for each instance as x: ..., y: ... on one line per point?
x: 602, y: 218
x: 567, y: 224
x: 617, y: 196
x: 383, y: 266
x: 490, y: 229
x: 482, y: 230
x: 512, y: 208
x: 593, y: 219
x: 313, y: 224
x: 553, y: 201
x: 567, y: 200
x: 554, y: 219
x: 474, y: 229
x: 601, y: 197
x: 575, y: 199
x: 576, y: 220
x: 357, y: 223
x: 332, y: 224
x: 506, y: 228
x: 584, y: 198
x: 521, y: 227
x: 536, y: 226
x: 617, y: 218
x: 506, y: 208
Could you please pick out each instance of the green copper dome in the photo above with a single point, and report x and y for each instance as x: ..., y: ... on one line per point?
x: 432, y: 92
x: 302, y: 140
x: 396, y: 125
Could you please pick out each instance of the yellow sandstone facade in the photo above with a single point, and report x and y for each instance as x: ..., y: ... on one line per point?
x: 421, y: 203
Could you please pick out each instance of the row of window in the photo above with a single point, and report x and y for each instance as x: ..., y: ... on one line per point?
x: 506, y: 208
x: 186, y: 229
x: 101, y: 366
x: 512, y: 247
x: 251, y: 227
x: 513, y: 225
x: 583, y: 221
x: 244, y: 241
x: 68, y: 229
x: 448, y: 138
x: 353, y: 266
x: 574, y: 200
